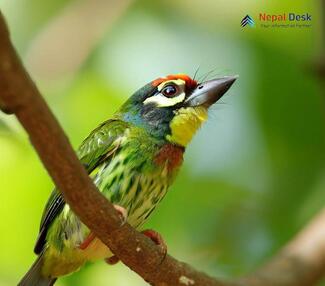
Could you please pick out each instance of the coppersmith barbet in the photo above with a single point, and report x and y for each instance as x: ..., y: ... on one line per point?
x: 132, y: 158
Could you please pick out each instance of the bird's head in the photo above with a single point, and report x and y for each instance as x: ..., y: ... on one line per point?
x: 172, y: 108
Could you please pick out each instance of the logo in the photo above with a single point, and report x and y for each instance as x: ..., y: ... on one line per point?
x: 247, y: 20
x: 284, y: 17
x: 279, y: 20
x: 285, y: 20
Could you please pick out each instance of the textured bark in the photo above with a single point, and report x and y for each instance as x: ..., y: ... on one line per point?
x: 301, y: 262
x: 20, y: 96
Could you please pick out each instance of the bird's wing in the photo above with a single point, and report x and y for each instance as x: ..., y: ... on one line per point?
x: 100, y: 145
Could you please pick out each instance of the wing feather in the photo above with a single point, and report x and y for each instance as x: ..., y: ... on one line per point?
x: 99, y: 146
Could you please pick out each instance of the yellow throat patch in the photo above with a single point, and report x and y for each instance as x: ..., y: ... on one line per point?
x: 185, y: 123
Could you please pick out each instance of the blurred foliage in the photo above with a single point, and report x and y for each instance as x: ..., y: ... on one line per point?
x: 254, y: 174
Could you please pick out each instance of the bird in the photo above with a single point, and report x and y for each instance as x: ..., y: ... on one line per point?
x: 132, y: 158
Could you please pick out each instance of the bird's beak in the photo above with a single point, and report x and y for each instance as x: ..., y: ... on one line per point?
x: 210, y: 91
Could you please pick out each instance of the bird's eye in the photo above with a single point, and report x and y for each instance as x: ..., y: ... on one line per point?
x: 169, y: 90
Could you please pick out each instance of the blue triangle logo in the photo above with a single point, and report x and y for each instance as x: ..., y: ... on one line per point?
x: 247, y: 21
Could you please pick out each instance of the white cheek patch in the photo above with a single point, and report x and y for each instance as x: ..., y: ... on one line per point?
x: 163, y: 101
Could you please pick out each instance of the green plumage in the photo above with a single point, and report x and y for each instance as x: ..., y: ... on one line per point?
x: 133, y: 159
x: 120, y: 158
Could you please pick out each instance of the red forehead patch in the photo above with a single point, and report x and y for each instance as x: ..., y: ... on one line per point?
x: 190, y: 83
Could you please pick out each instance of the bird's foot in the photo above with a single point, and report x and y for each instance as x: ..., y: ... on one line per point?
x: 153, y: 235
x: 156, y: 238
x: 124, y: 215
x: 112, y: 260
x: 122, y: 212
x: 89, y: 239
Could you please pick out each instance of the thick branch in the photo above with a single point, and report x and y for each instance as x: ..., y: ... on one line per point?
x: 301, y: 262
x: 20, y: 96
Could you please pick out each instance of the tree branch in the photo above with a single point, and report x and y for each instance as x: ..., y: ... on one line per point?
x: 301, y: 262
x: 20, y: 96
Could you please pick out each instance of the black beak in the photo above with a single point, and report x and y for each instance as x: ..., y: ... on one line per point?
x: 209, y: 92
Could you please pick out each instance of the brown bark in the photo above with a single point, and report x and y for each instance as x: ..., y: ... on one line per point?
x: 301, y: 262
x: 20, y: 96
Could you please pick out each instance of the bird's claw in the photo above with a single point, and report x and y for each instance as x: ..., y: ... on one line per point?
x: 122, y: 212
x: 156, y: 238
x: 153, y: 235
x: 123, y: 215
x: 112, y: 260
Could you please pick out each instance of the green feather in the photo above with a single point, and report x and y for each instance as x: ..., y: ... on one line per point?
x: 120, y: 157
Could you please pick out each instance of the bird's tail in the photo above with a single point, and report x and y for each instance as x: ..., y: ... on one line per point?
x: 34, y: 275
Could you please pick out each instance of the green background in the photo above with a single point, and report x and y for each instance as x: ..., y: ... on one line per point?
x: 253, y: 175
